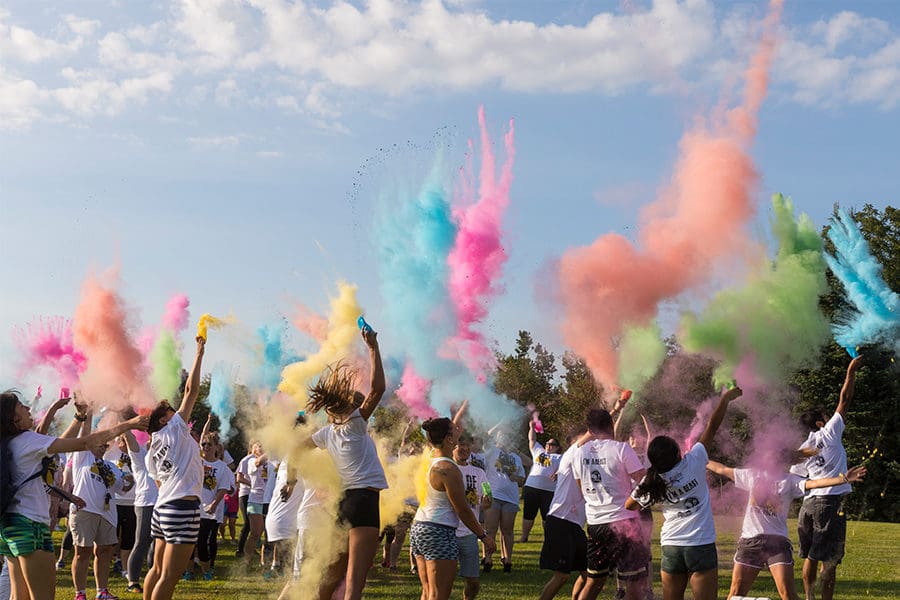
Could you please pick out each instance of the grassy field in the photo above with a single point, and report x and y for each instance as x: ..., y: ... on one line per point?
x: 870, y: 570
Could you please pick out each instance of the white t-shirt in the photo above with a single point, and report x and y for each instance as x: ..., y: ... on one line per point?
x: 477, y: 459
x: 28, y: 450
x: 687, y: 514
x: 309, y: 503
x: 243, y: 466
x: 259, y: 475
x: 270, y: 482
x: 769, y: 501
x: 227, y: 459
x: 214, y: 479
x: 226, y: 482
x: 353, y: 452
x: 473, y: 477
x: 568, y: 503
x: 96, y: 481
x: 123, y: 461
x: 604, y: 468
x: 500, y: 466
x: 145, y: 490
x: 281, y: 522
x: 175, y: 461
x: 831, y: 460
x: 543, y: 467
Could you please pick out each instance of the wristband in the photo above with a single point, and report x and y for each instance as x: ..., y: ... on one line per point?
x: 844, y: 477
x: 482, y: 536
x: 81, y: 418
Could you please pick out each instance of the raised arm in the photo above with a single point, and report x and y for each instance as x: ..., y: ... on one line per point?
x: 95, y: 439
x: 74, y: 428
x: 460, y: 412
x: 47, y: 421
x: 192, y: 387
x: 720, y: 469
x: 378, y: 384
x: 532, y: 438
x: 854, y: 475
x: 715, y: 419
x: 849, y: 384
x: 206, y: 425
x: 131, y: 442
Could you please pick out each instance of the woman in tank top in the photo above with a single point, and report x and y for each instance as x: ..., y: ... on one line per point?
x: 433, y: 534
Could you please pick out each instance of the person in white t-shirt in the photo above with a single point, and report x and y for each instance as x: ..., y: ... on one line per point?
x: 821, y: 524
x: 347, y: 440
x: 764, y: 539
x: 474, y: 479
x: 215, y: 484
x: 145, y: 493
x: 565, y: 545
x: 127, y: 527
x: 259, y: 471
x: 505, y: 473
x: 174, y: 461
x: 537, y: 493
x: 25, y: 538
x: 242, y: 474
x: 606, y: 470
x: 97, y: 481
x: 688, y: 537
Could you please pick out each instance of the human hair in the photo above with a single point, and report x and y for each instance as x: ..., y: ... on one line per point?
x: 300, y: 419
x: 157, y: 414
x: 599, y: 421
x: 663, y: 454
x: 809, y: 417
x: 437, y: 430
x: 9, y: 400
x: 335, y: 391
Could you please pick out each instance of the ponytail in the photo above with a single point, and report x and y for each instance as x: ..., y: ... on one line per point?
x: 663, y: 453
x: 652, y: 487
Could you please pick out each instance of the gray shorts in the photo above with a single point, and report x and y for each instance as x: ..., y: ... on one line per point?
x: 689, y: 559
x: 763, y: 551
x: 469, y: 556
x: 504, y: 506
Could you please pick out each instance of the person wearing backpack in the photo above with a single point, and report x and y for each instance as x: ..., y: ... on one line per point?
x: 25, y: 538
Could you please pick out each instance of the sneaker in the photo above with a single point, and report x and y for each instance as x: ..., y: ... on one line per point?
x: 188, y: 575
x: 135, y: 587
x: 208, y: 576
x: 80, y: 596
x: 117, y: 566
x: 507, y: 567
x: 105, y: 595
x: 60, y: 565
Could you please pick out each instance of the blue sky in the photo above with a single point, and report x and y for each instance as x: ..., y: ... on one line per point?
x: 233, y: 150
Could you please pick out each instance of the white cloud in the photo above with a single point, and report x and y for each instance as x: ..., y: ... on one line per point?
x: 215, y: 141
x: 269, y: 154
x: 90, y: 94
x: 81, y: 26
x: 20, y: 102
x: 25, y: 45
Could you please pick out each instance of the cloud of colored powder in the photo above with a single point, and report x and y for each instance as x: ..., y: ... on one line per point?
x: 696, y: 224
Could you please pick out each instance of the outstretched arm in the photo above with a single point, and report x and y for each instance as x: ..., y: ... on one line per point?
x: 849, y: 384
x: 96, y: 438
x: 378, y: 384
x: 192, y: 387
x: 720, y: 469
x: 853, y: 475
x: 44, y: 427
x: 715, y: 420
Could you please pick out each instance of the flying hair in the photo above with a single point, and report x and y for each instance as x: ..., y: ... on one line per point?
x: 335, y: 390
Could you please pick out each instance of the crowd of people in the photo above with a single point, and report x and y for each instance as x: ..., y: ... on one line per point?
x: 155, y: 512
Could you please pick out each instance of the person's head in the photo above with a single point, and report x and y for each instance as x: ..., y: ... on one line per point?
x: 300, y: 420
x: 159, y: 416
x: 209, y: 448
x: 441, y: 432
x: 15, y: 416
x: 335, y: 391
x: 98, y: 450
x: 599, y: 422
x: 463, y: 448
x: 814, y: 419
x: 552, y: 446
x: 663, y: 453
x: 256, y: 448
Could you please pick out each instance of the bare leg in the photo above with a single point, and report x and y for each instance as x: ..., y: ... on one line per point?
x: 80, y: 563
x: 579, y: 585
x: 592, y: 588
x: 175, y: 560
x: 829, y: 579
x: 491, y: 525
x: 673, y: 585
x: 527, y: 524
x: 363, y: 545
x: 471, y: 588
x: 32, y: 574
x: 333, y: 577
x: 102, y: 559
x: 440, y: 578
x: 705, y: 584
x: 552, y: 587
x: 810, y: 572
x: 507, y: 538
x: 784, y: 581
x: 153, y: 574
x: 422, y: 571
x: 742, y: 578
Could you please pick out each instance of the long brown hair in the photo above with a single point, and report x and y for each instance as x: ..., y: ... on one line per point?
x: 334, y: 391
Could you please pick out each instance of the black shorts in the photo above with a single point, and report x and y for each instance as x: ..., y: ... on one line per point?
x: 359, y: 508
x: 619, y: 546
x: 565, y: 546
x: 763, y: 551
x: 535, y: 500
x: 822, y: 528
x: 689, y: 559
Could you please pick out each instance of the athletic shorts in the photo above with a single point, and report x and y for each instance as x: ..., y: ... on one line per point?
x: 504, y: 506
x: 618, y: 546
x: 565, y: 546
x: 231, y: 515
x: 359, y: 508
x: 689, y: 559
x: 176, y: 522
x: 90, y: 528
x: 433, y: 541
x: 469, y: 556
x: 822, y: 528
x: 20, y: 536
x: 535, y: 500
x: 255, y: 508
x: 763, y: 551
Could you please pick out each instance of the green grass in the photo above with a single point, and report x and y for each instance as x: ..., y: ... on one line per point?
x: 870, y: 570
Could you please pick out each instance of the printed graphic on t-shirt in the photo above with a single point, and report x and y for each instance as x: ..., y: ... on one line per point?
x: 209, y: 477
x: 471, y: 490
x: 101, y: 472
x: 505, y: 463
x: 164, y: 466
x: 124, y: 461
x: 544, y: 460
x: 476, y: 461
x: 766, y: 499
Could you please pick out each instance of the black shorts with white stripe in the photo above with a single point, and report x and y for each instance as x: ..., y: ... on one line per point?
x: 176, y: 522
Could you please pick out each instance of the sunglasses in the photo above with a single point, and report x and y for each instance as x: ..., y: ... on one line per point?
x: 204, y: 444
